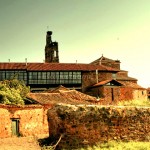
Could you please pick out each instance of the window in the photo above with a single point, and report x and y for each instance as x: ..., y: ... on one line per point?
x: 2, y: 75
x: 54, y: 53
x: 55, y: 77
x: 7, y: 75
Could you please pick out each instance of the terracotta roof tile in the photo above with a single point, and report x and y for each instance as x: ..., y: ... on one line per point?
x: 54, y: 67
x: 10, y: 66
x: 105, y: 82
x: 68, y: 97
x: 104, y: 59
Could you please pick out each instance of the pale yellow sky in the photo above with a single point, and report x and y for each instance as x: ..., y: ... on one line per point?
x: 84, y: 29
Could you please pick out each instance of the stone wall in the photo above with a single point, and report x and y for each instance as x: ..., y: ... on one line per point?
x: 89, y: 124
x: 32, y: 120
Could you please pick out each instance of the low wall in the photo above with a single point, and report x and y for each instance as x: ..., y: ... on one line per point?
x: 32, y: 120
x: 83, y: 125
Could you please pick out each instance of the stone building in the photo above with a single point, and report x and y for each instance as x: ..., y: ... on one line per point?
x: 120, y: 87
x: 82, y: 77
x: 51, y: 50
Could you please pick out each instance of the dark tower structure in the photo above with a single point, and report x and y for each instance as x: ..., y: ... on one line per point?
x: 51, y: 49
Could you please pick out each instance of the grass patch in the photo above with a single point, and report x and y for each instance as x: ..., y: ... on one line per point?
x: 113, y: 145
x: 135, y: 102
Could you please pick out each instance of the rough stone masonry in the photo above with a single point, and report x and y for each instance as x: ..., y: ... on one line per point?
x: 89, y: 124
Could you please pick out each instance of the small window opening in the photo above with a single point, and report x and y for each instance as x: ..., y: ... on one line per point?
x: 54, y: 53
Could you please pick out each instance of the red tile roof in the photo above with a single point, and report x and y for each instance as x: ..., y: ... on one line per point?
x: 105, y: 82
x: 104, y: 59
x: 68, y: 97
x: 11, y: 66
x: 55, y: 67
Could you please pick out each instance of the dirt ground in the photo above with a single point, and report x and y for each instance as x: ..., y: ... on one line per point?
x: 19, y: 143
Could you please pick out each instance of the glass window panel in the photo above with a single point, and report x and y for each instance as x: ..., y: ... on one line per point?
x: 48, y: 81
x: 39, y: 75
x: 70, y: 75
x: 8, y: 75
x: 2, y: 75
x: 33, y: 75
x: 48, y: 75
x: 52, y: 75
x: 78, y: 76
x: 20, y: 75
x: 61, y: 81
x: 25, y: 76
x: 78, y: 81
x: 41, y: 81
x: 33, y: 81
x: 30, y: 75
x: 57, y: 75
x: 66, y: 81
x: 61, y: 75
x: 44, y: 75
x: 57, y: 81
x: 52, y: 81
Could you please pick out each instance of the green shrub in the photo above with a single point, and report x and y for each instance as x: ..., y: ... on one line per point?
x: 13, y: 92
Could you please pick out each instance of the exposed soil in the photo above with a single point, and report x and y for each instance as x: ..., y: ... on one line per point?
x: 19, y: 143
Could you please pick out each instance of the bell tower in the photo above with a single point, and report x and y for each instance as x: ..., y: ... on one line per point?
x: 51, y: 49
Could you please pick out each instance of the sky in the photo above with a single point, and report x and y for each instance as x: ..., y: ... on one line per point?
x: 84, y: 29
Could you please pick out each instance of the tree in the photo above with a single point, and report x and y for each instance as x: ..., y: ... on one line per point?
x: 13, y: 92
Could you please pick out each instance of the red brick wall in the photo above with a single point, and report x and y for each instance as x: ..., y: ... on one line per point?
x: 89, y: 78
x: 32, y: 120
x: 126, y: 93
x: 119, y: 94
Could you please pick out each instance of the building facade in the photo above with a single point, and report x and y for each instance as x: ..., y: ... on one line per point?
x: 50, y: 75
x: 83, y: 77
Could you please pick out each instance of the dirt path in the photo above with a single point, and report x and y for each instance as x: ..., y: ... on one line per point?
x: 21, y: 143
